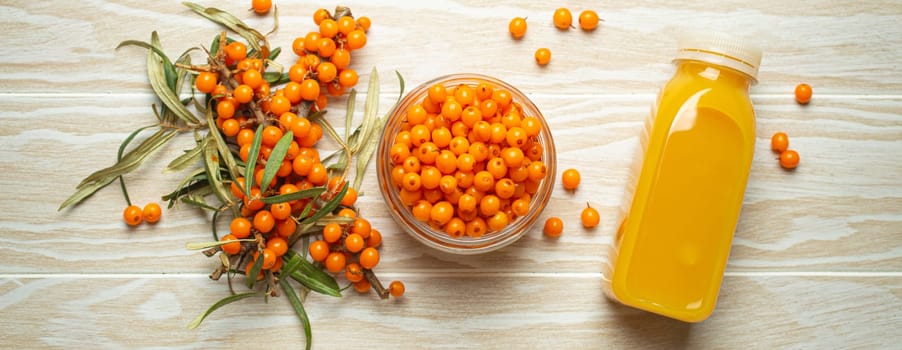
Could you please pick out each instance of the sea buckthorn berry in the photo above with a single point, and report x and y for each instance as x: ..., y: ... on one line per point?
x: 326, y: 47
x: 347, y: 78
x: 396, y: 289
x: 269, y: 258
x: 279, y: 105
x: 427, y: 153
x: 497, y: 167
x: 513, y: 157
x: 416, y: 114
x: 326, y: 72
x: 347, y: 213
x: 297, y: 73
x: 554, y: 226
x: 364, y: 23
x: 430, y: 177
x: 504, y: 188
x: 332, y: 232
x: 354, y: 243
x: 240, y: 227
x: 779, y: 142
x: 346, y: 24
x: 278, y: 245
x: 441, y: 137
x: 286, y: 228
x: 789, y: 159
x: 320, y: 14
x: 361, y: 227
x: 498, y: 221
x: 375, y: 239
x: 237, y: 187
x: 411, y: 182
x: 803, y: 93
x: 441, y: 213
x: 459, y: 145
x: 328, y: 28
x: 537, y: 170
x: 498, y: 133
x: 452, y: 110
x: 350, y: 197
x: 271, y: 135
x: 369, y: 258
x: 335, y: 262
x: 264, y: 221
x: 467, y: 202
x: 253, y: 202
x: 280, y: 211
x: 318, y: 174
x: 479, y: 151
x: 520, y: 207
x: 543, y: 56
x: 243, y: 94
x: 230, y: 248
x: 456, y: 227
x: 446, y: 161
x: 570, y: 179
x: 516, y: 137
x: 399, y: 153
x: 261, y: 6
x: 419, y: 134
x: 133, y: 215
x: 236, y: 51
x: 517, y: 27
x: 588, y: 20
x: 589, y: 217
x: 206, y: 81
x: 301, y: 127
x: 464, y: 94
x: 477, y: 228
x: 489, y: 205
x: 562, y: 18
x: 319, y: 250
x: 437, y: 93
x: 151, y: 212
x: 356, y: 39
x: 422, y: 211
x: 249, y: 267
x: 483, y: 181
x: 309, y: 89
x: 362, y: 286
x: 341, y: 58
x: 502, y: 97
x: 252, y: 78
x: 353, y: 272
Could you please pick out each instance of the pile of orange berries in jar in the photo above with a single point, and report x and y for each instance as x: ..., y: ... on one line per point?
x: 467, y: 160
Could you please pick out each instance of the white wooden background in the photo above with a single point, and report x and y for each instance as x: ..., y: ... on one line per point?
x: 816, y: 262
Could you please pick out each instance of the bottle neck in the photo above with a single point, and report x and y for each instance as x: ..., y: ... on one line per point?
x: 714, y: 72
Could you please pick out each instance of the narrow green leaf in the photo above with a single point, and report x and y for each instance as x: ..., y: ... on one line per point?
x: 129, y: 162
x: 274, y: 53
x: 224, y: 153
x: 252, y: 161
x: 366, y: 154
x: 182, y: 73
x: 298, y: 309
x: 282, y: 198
x: 198, y: 202
x: 225, y: 301
x: 275, y: 159
x: 352, y: 101
x: 122, y: 146
x: 255, y: 271
x: 315, y: 278
x: 205, y: 245
x: 370, y: 110
x: 276, y: 78
x: 158, y: 81
x: 328, y: 207
x: 231, y: 22
x: 185, y: 185
x: 188, y: 158
x: 327, y: 126
x: 291, y: 265
x: 211, y: 164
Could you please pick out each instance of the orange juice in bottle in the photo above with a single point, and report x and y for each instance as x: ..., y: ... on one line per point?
x: 671, y: 249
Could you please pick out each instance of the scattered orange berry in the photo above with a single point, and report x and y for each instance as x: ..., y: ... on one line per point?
x: 789, y: 159
x: 261, y: 6
x: 803, y: 93
x: 517, y: 27
x: 133, y: 215
x: 543, y: 56
x: 562, y: 18
x: 151, y: 212
x: 554, y: 226
x: 570, y: 179
x: 779, y: 142
x: 206, y: 81
x: 230, y: 248
x: 396, y: 288
x: 589, y: 217
x: 588, y: 20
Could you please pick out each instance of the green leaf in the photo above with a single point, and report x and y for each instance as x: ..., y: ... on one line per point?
x: 182, y: 73
x: 363, y: 158
x: 276, y: 78
x: 214, y: 177
x: 275, y: 54
x: 298, y: 309
x: 224, y: 153
x: 255, y: 271
x: 282, y: 198
x: 275, y: 159
x: 291, y: 265
x: 129, y: 162
x: 188, y: 158
x: 122, y: 146
x: 225, y: 301
x: 316, y: 279
x: 252, y: 161
x: 158, y: 81
x: 253, y: 37
x: 199, y: 202
x: 349, y: 116
x: 370, y: 111
x: 205, y: 245
x: 331, y: 131
x: 328, y: 207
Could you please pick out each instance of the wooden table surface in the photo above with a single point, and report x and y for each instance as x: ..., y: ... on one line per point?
x: 817, y: 255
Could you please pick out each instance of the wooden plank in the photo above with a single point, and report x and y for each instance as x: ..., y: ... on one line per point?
x: 846, y: 47
x: 459, y: 310
x: 838, y: 211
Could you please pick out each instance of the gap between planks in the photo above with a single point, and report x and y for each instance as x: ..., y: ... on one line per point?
x: 457, y: 274
x: 636, y: 96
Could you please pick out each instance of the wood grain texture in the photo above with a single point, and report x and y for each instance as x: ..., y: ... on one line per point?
x: 839, y: 47
x: 449, y: 311
x: 816, y: 259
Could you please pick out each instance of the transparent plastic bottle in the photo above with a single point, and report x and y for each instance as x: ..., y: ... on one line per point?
x: 674, y: 239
